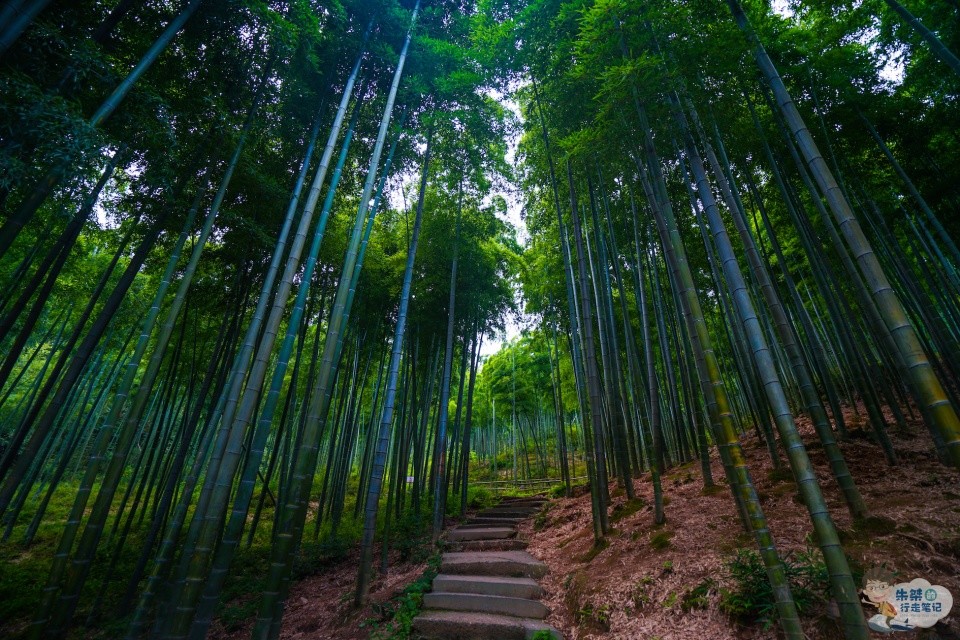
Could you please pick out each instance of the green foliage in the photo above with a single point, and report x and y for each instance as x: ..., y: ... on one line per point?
x: 479, y: 497
x: 180, y: 122
x: 542, y: 518
x: 751, y: 598
x: 316, y: 555
x: 395, y: 617
x: 699, y: 596
x: 640, y: 593
x: 411, y: 536
x: 593, y: 615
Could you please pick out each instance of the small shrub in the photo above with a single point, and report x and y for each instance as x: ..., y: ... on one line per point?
x: 699, y: 596
x: 594, y: 615
x: 411, y: 537
x: 577, y: 598
x: 752, y: 599
x: 480, y: 497
x: 640, y: 594
x: 556, y: 491
x: 543, y: 634
x: 542, y: 518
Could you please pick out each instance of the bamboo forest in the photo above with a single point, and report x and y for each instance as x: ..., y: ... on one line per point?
x: 479, y: 319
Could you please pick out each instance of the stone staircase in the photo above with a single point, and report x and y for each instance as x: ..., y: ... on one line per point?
x: 487, y: 586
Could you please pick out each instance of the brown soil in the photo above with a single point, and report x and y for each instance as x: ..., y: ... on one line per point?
x: 320, y: 607
x: 630, y: 589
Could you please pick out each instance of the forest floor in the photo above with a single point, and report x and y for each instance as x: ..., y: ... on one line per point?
x: 667, y: 582
x: 320, y: 606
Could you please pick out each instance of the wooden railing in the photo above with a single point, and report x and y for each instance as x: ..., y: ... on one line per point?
x: 533, y: 483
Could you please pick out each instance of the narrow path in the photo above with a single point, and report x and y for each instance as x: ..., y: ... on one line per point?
x: 487, y: 586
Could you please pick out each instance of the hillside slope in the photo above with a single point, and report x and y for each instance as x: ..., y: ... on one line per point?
x: 644, y: 585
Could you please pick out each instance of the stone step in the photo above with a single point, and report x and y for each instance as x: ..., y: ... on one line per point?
x: 457, y: 625
x: 493, y: 563
x: 508, y: 544
x: 476, y: 525
x: 523, y: 502
x: 498, y: 512
x: 489, y: 521
x: 477, y: 533
x: 485, y: 603
x: 517, y: 506
x: 489, y: 585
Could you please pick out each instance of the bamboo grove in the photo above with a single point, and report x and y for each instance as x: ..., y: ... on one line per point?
x: 206, y: 338
x: 741, y: 246
x: 251, y: 253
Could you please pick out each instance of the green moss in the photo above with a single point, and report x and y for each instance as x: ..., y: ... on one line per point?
x: 626, y: 509
x: 597, y: 548
x: 661, y: 539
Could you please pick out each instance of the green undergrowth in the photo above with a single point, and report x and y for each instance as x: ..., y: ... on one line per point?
x: 751, y: 597
x: 699, y: 596
x: 588, y: 611
x: 478, y: 497
x: 395, y: 616
x: 24, y: 566
x: 411, y: 536
x: 240, y: 597
x: 542, y: 518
